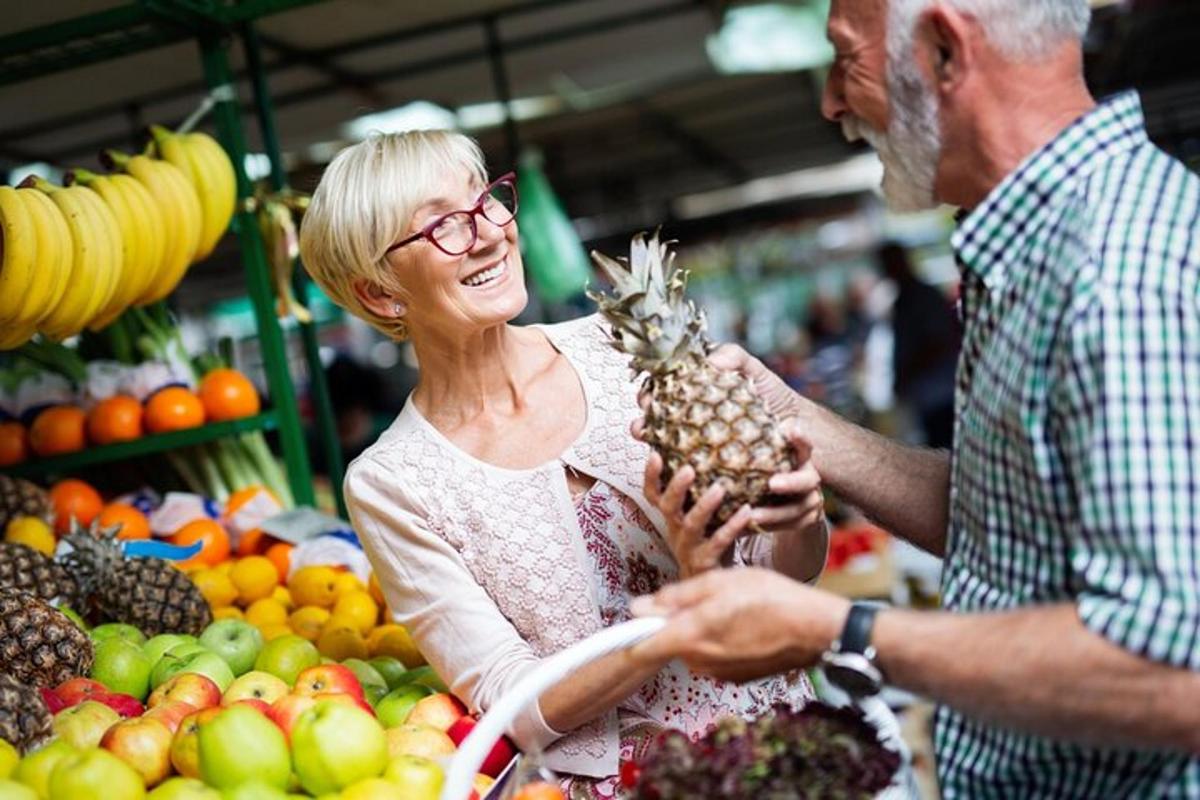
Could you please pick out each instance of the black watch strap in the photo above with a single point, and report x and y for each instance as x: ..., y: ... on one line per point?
x: 856, y: 634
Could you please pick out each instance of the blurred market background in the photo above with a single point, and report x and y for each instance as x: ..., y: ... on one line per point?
x: 700, y: 116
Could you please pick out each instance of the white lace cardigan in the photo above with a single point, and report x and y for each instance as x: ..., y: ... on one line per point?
x: 485, y: 565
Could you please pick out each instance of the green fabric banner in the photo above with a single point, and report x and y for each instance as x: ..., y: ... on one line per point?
x: 554, y: 256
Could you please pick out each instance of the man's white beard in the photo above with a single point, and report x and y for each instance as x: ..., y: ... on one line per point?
x: 911, y: 148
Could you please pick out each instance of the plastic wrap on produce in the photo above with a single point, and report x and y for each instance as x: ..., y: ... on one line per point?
x: 178, y: 509
x: 147, y: 378
x: 333, y: 549
x: 40, y: 390
x: 104, y: 380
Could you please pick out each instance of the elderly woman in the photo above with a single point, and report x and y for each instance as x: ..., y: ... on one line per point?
x: 505, y: 510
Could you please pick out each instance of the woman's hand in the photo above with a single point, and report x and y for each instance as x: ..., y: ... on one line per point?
x: 805, y: 510
x: 694, y: 551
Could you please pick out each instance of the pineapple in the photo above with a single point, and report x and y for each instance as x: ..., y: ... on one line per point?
x: 147, y: 593
x: 25, y: 721
x: 24, y: 568
x: 20, y: 498
x: 696, y: 415
x: 39, y: 645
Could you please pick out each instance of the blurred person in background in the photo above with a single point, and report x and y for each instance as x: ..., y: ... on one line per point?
x: 1067, y: 660
x: 505, y: 510
x: 925, y: 344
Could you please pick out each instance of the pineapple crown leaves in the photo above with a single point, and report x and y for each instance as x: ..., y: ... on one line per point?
x: 651, y: 318
x: 94, y: 552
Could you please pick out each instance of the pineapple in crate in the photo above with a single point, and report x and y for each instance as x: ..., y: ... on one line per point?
x: 20, y: 498
x: 39, y: 645
x: 696, y: 414
x: 25, y: 721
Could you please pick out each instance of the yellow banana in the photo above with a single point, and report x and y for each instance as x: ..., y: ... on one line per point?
x: 52, y: 265
x: 180, y: 207
x: 215, y: 177
x: 94, y: 254
x: 15, y: 334
x: 19, y: 242
x: 107, y: 223
x: 153, y: 227
x: 133, y: 248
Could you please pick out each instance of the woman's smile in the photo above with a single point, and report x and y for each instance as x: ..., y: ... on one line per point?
x: 489, y: 276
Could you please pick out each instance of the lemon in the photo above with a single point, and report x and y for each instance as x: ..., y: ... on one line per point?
x: 314, y: 586
x: 340, y: 642
x: 255, y: 578
x: 357, y: 610
x: 308, y: 621
x: 225, y: 567
x: 31, y: 532
x: 394, y: 640
x: 217, y: 589
x: 274, y: 631
x: 282, y: 594
x: 266, y: 611
x: 347, y: 582
x: 228, y: 612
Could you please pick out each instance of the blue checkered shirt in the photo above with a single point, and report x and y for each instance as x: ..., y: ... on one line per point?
x: 1076, y: 464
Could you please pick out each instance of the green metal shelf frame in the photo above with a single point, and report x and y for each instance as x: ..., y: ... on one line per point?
x: 142, y: 26
x: 145, y: 446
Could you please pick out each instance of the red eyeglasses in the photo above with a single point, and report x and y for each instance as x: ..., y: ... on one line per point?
x: 456, y: 233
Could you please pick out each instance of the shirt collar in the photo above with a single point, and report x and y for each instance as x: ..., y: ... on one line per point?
x: 987, y: 242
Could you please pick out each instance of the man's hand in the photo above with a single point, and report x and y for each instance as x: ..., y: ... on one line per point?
x: 780, y: 399
x: 741, y: 624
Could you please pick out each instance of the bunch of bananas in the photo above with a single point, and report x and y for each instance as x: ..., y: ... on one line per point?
x: 76, y: 256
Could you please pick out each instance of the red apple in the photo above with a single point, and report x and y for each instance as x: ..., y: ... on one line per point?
x: 497, y: 759
x: 52, y: 700
x: 124, y: 704
x: 77, y: 690
x: 198, y: 691
x: 185, y: 745
x: 171, y: 714
x: 328, y: 678
x: 418, y: 740
x: 287, y: 709
x: 438, y: 710
x: 255, y: 685
x: 256, y: 704
x: 144, y: 744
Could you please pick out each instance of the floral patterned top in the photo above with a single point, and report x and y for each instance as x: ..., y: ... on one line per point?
x: 630, y: 558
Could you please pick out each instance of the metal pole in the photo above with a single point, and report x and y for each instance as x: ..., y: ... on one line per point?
x: 323, y: 412
x: 503, y: 91
x: 215, y: 57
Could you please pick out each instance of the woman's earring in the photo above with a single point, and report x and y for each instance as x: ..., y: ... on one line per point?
x: 398, y: 309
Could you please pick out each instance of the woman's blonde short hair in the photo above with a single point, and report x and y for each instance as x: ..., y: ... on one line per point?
x: 363, y: 205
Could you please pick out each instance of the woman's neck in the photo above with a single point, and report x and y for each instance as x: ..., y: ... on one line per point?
x: 462, y: 378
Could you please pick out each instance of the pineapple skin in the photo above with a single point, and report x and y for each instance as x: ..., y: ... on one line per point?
x: 24, y: 568
x: 712, y: 420
x: 21, y: 498
x: 25, y: 721
x: 39, y: 645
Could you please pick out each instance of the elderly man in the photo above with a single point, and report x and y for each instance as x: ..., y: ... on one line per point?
x: 1067, y: 661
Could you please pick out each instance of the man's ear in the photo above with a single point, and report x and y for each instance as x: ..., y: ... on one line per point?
x: 944, y: 41
x: 375, y: 299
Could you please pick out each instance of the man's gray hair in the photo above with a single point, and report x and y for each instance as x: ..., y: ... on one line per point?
x: 1023, y: 30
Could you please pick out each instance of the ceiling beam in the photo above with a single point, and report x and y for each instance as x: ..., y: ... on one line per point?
x: 341, y: 76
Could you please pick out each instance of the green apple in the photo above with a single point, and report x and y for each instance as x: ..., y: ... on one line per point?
x: 157, y: 646
x: 84, y: 725
x: 335, y: 745
x: 185, y: 649
x: 122, y: 666
x: 391, y: 668
x: 35, y: 769
x: 183, y: 789
x: 11, y: 790
x: 366, y: 674
x: 374, y: 694
x: 287, y: 656
x: 119, y: 630
x: 370, y: 789
x: 418, y: 778
x: 425, y: 676
x: 234, y: 640
x: 73, y: 615
x: 204, y: 662
x: 9, y: 758
x: 254, y: 790
x: 240, y: 745
x: 95, y: 774
x: 394, y: 708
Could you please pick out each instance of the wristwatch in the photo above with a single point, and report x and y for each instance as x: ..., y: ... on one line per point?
x: 850, y: 662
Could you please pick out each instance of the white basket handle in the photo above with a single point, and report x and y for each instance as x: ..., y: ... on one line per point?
x: 499, y: 717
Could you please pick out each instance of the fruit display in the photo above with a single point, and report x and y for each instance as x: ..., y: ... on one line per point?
x: 697, y: 415
x: 39, y: 645
x: 816, y: 752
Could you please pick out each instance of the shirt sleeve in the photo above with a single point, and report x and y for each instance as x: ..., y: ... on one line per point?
x: 1128, y: 422
x: 430, y: 591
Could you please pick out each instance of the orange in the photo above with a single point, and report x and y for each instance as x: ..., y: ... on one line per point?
x: 266, y: 611
x: 210, y: 534
x: 217, y: 589
x: 393, y: 640
x: 228, y: 394
x: 280, y: 554
x: 314, y: 586
x: 255, y: 578
x: 340, y: 642
x: 14, y: 443
x: 357, y: 610
x: 173, y: 409
x: 245, y: 495
x: 255, y: 543
x: 541, y: 790
x: 57, y: 430
x: 134, y: 524
x: 115, y: 419
x: 309, y: 621
x: 74, y: 498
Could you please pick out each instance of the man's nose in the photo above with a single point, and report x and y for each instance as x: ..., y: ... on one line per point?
x: 833, y: 100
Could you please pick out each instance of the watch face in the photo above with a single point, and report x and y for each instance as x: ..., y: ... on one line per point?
x: 853, y: 673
